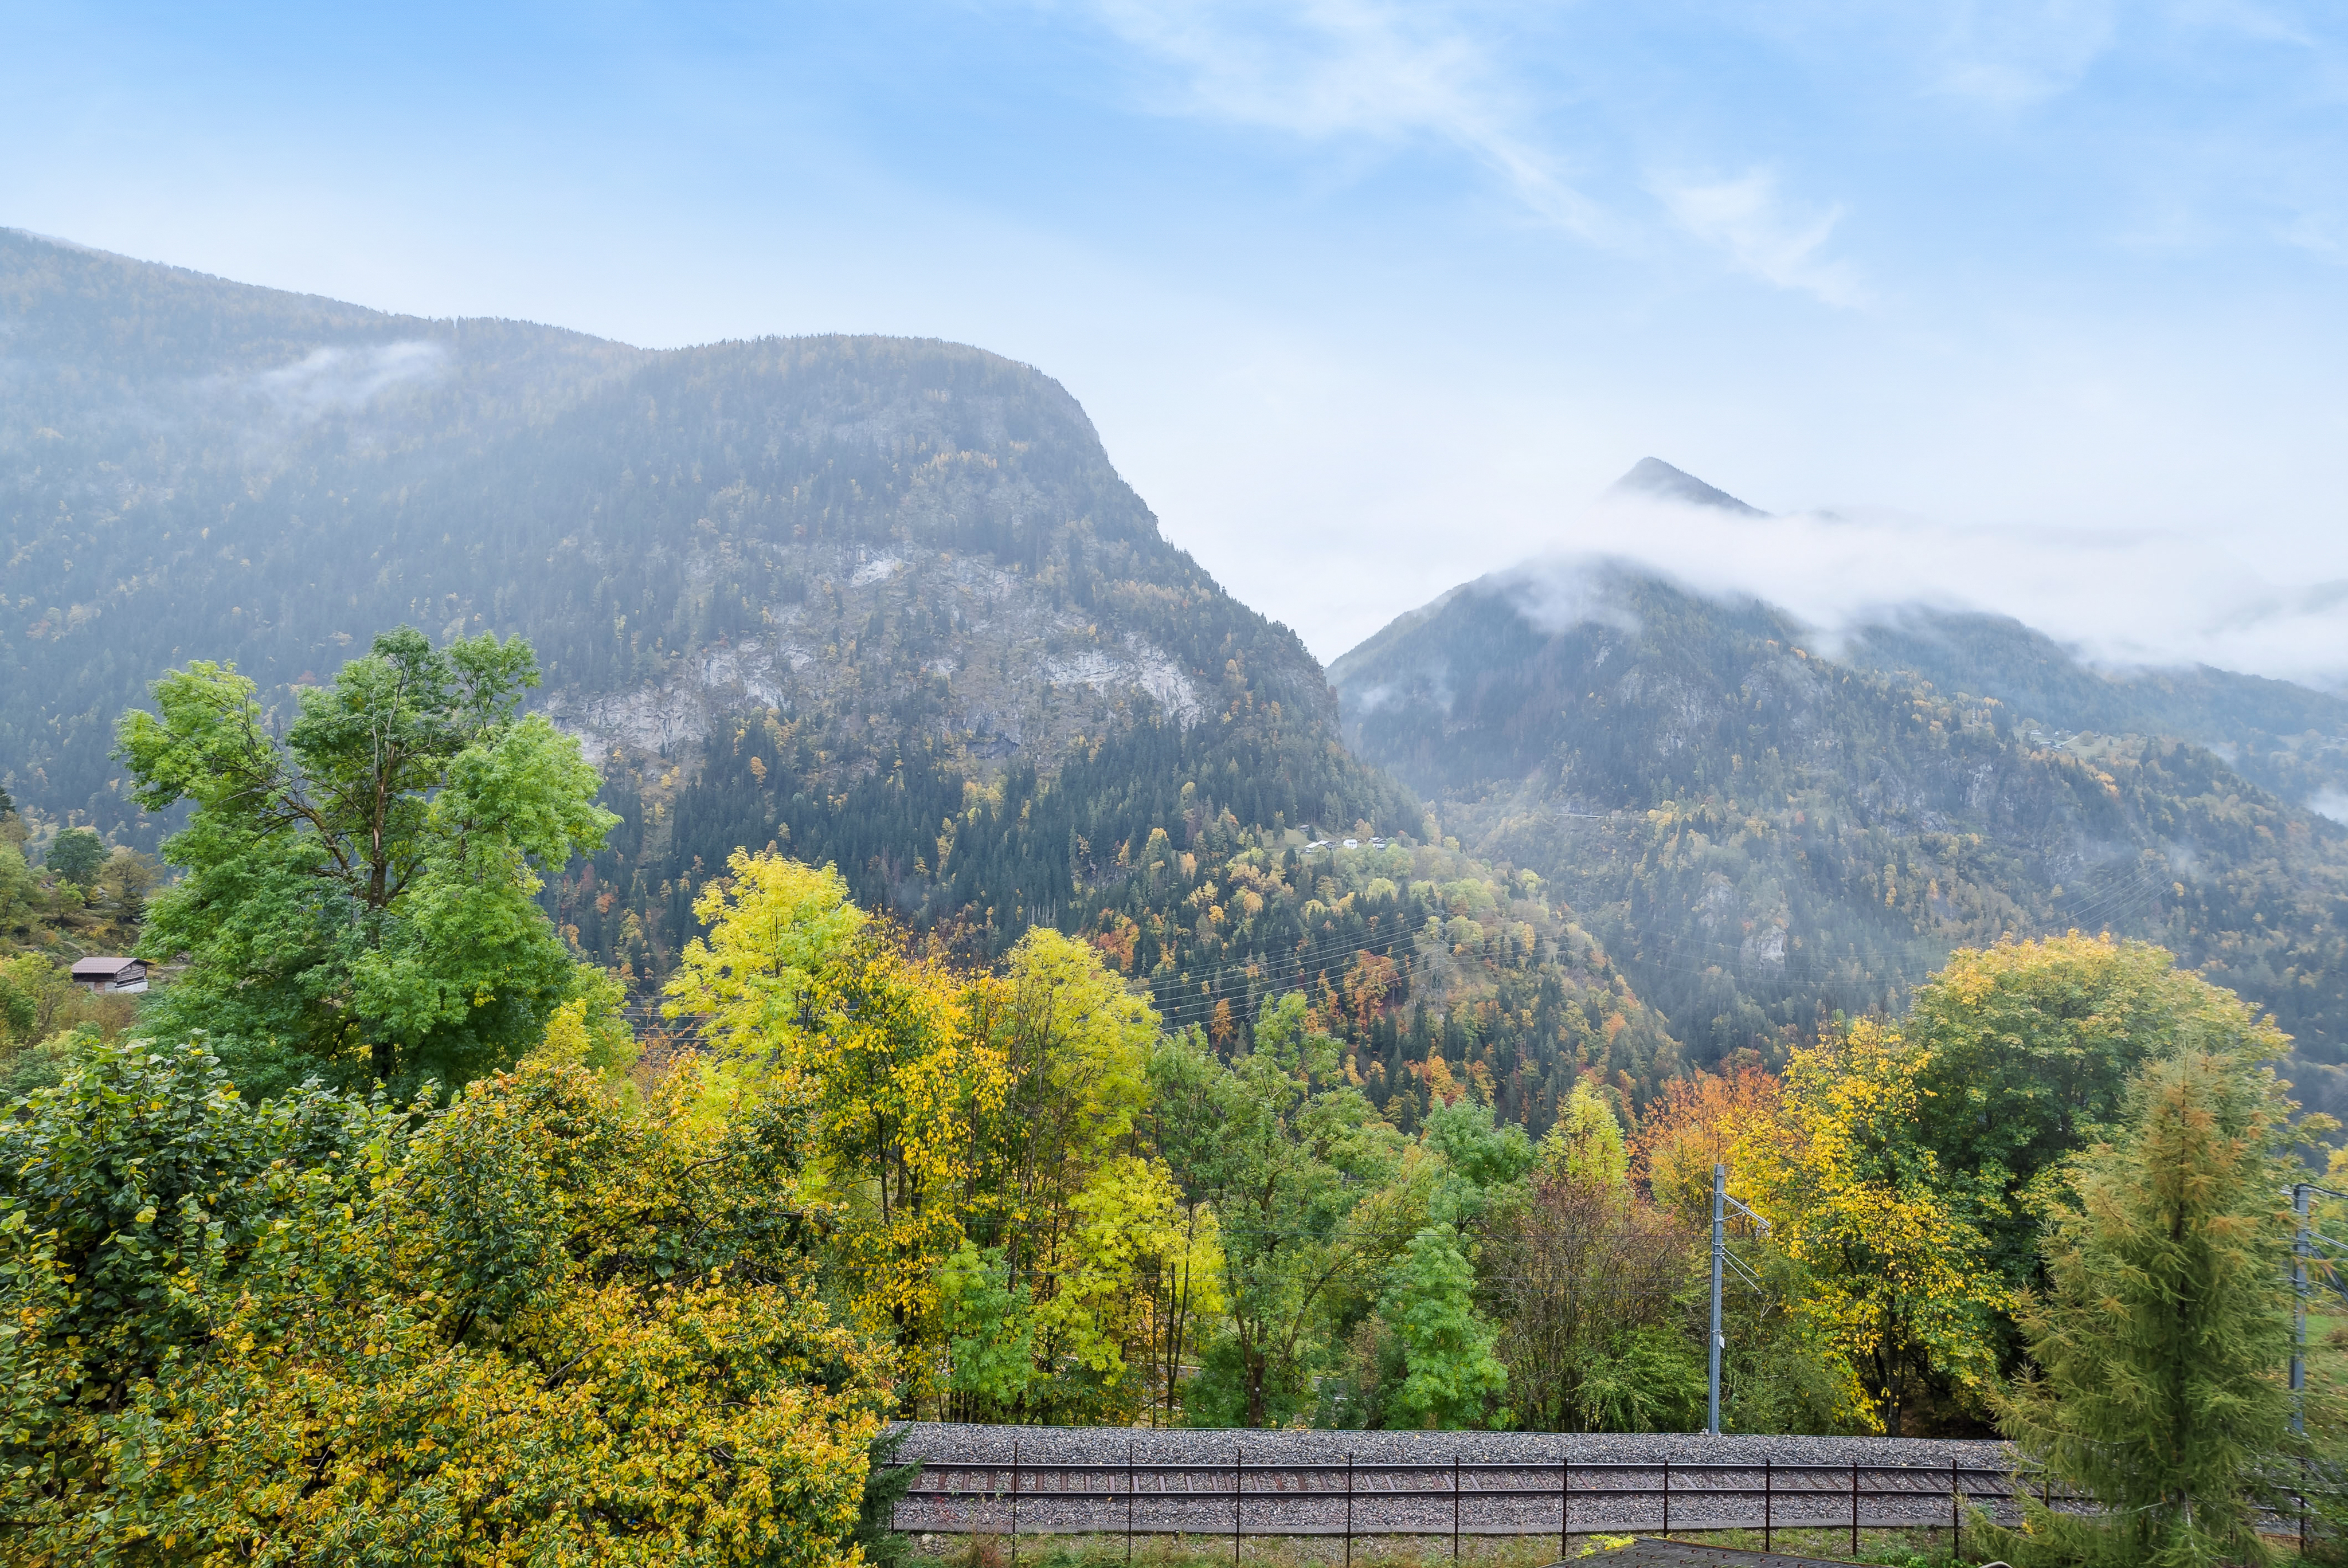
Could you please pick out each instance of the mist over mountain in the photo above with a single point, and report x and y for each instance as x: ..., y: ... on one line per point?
x: 1767, y: 825
x: 886, y: 602
x: 879, y: 601
x: 2115, y: 601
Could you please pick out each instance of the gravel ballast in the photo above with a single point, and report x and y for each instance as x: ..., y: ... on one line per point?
x: 1295, y: 1480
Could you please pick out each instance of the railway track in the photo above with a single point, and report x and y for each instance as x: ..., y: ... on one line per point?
x: 1430, y: 1495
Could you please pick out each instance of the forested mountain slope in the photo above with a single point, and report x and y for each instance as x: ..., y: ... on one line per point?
x: 1762, y: 833
x: 910, y: 542
x: 879, y: 601
x: 2287, y: 739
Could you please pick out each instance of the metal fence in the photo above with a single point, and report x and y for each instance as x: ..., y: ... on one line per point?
x: 1357, y: 1497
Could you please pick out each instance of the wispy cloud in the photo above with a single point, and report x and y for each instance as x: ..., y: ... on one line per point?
x: 1324, y: 69
x: 1327, y: 70
x: 1746, y: 219
x: 2012, y: 53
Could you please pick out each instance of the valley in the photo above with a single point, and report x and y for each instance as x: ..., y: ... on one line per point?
x: 887, y: 603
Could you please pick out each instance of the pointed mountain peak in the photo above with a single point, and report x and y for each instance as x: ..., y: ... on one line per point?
x: 1652, y: 479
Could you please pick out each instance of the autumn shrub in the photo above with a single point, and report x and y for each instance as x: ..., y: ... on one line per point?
x: 530, y: 1326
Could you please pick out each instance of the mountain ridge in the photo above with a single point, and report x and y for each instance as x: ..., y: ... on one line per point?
x: 1765, y: 835
x: 882, y: 602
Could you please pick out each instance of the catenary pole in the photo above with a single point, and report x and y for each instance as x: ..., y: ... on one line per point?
x: 2299, y: 1196
x: 1719, y: 1250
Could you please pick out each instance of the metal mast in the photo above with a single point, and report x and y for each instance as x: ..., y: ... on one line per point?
x: 1721, y: 1203
x: 1720, y: 1251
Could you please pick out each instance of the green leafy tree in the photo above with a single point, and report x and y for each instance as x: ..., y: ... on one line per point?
x: 1295, y: 1171
x: 357, y: 896
x: 1585, y: 1147
x: 75, y: 856
x: 25, y: 984
x: 143, y: 1167
x: 1477, y: 1151
x: 20, y: 893
x: 2162, y: 1335
x: 1451, y: 1373
x: 2029, y: 1050
x: 989, y: 1332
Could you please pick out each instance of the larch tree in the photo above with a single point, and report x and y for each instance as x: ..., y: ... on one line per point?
x: 2162, y: 1335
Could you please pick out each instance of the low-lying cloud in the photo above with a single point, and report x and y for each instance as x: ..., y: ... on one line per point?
x: 2122, y: 599
x: 327, y: 381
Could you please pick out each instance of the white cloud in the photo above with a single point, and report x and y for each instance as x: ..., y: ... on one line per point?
x: 2012, y: 53
x: 2124, y: 598
x: 1331, y: 69
x: 1746, y: 220
x: 1322, y: 69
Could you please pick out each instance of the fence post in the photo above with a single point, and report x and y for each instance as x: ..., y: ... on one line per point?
x: 1564, y: 1502
x: 1956, y: 1507
x: 1128, y: 1499
x: 1768, y: 1475
x: 1239, y: 1481
x: 1667, y: 1499
x: 1455, y: 1505
x: 1854, y: 1508
x: 1349, y: 1510
x: 1014, y: 1499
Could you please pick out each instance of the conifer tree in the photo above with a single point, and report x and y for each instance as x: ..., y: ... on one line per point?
x: 2163, y: 1335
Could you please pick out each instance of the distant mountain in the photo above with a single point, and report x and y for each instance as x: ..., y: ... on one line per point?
x: 1652, y: 479
x: 2288, y: 740
x: 881, y: 601
x: 1763, y: 833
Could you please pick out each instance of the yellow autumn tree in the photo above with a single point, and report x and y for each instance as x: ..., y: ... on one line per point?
x: 1071, y: 1221
x: 775, y: 923
x: 1693, y: 1125
x: 888, y: 1053
x: 900, y: 1076
x: 1888, y: 1236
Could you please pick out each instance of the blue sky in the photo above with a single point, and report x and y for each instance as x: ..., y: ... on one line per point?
x: 2050, y: 300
